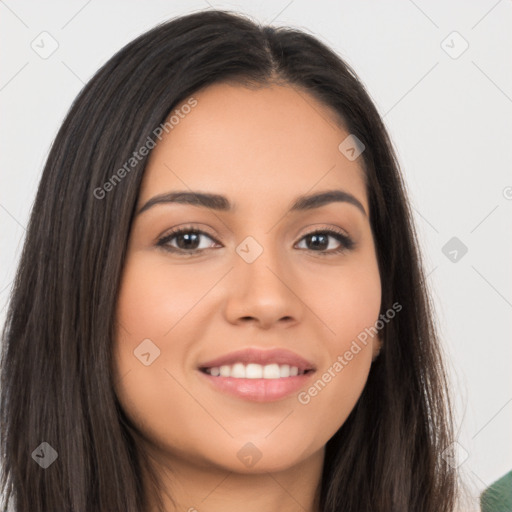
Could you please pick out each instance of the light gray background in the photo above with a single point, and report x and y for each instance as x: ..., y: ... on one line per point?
x: 448, y: 115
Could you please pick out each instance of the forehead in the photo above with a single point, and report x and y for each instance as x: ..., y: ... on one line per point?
x: 272, y: 143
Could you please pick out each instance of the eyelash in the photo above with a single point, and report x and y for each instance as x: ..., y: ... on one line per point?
x: 346, y: 242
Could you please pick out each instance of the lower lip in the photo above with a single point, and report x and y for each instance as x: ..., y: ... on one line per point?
x: 259, y: 390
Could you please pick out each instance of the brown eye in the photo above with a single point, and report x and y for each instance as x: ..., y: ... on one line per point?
x: 318, y: 241
x: 185, y: 240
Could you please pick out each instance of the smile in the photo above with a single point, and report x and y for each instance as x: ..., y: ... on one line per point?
x: 255, y: 371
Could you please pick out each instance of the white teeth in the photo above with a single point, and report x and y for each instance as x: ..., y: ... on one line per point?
x: 255, y: 371
x: 271, y: 371
x: 284, y: 370
x: 238, y: 371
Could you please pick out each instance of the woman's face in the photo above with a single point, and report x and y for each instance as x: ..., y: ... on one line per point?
x: 255, y: 278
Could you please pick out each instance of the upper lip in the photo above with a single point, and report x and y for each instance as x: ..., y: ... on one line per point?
x: 263, y: 357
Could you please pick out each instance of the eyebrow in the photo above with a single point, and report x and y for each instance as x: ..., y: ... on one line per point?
x: 222, y: 203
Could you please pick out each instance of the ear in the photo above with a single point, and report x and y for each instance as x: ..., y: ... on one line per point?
x: 376, y: 347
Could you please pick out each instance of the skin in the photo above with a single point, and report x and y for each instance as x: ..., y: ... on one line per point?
x: 261, y: 148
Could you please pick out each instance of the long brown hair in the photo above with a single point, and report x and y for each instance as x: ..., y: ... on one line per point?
x: 56, y: 369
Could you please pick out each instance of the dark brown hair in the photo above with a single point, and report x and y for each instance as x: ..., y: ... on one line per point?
x: 56, y: 373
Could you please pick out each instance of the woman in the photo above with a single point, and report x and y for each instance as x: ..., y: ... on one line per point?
x: 220, y: 301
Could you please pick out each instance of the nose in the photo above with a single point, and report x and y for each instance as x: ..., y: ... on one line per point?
x: 265, y: 291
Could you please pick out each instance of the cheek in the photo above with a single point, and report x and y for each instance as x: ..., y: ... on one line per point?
x: 349, y: 303
x: 346, y: 300
x: 154, y: 297
x: 153, y: 301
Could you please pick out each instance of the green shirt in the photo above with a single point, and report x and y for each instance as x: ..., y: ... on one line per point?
x: 498, y: 496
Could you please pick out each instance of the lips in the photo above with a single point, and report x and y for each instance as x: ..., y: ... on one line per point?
x: 262, y: 357
x: 258, y: 375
